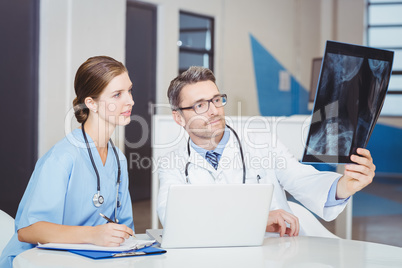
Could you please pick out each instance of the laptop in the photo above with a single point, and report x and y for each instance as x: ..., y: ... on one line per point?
x: 215, y: 216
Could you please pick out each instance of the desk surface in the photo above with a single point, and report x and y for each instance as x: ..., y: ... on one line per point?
x: 275, y: 252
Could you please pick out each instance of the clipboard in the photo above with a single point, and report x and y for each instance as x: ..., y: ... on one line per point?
x: 118, y: 254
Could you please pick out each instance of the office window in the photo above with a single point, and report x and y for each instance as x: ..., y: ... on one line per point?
x: 196, y: 46
x: 384, y: 30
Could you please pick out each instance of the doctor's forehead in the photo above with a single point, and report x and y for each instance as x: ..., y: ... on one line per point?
x: 203, y: 90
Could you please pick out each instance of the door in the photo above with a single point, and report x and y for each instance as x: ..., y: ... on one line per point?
x: 19, y: 65
x: 141, y: 64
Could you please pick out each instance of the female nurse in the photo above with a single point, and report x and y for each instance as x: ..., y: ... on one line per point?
x: 83, y: 175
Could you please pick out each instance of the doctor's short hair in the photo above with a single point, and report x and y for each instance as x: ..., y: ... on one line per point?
x: 193, y: 75
x: 91, y: 79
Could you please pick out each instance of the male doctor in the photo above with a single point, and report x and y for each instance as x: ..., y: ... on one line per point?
x: 213, y: 155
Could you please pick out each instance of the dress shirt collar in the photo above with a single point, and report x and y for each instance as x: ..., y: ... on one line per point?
x: 219, y: 149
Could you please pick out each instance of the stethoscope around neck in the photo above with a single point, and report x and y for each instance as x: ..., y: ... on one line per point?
x: 98, y: 199
x: 241, y: 154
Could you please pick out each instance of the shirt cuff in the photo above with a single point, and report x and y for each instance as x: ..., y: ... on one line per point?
x: 331, y: 200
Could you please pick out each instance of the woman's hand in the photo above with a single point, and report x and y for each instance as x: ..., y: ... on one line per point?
x: 110, y: 234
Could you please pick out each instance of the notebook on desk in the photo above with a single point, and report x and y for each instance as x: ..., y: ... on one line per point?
x: 131, y: 247
x: 215, y: 215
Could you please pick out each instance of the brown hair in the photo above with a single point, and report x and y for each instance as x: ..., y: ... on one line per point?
x: 90, y: 80
x: 193, y: 75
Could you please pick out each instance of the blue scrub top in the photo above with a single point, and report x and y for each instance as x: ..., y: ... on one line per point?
x: 61, y: 189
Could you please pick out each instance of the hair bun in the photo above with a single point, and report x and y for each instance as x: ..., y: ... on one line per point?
x: 81, y: 111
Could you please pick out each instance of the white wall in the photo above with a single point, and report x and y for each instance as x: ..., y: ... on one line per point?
x: 71, y: 31
x: 350, y: 16
x: 294, y: 31
x: 278, y: 25
x: 168, y: 35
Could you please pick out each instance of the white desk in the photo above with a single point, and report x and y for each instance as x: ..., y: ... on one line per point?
x: 275, y: 252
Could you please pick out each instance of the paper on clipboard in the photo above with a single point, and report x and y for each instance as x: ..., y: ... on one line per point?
x: 129, y: 244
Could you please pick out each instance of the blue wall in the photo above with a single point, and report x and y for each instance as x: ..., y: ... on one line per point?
x: 385, y: 143
x: 272, y: 101
x: 385, y: 146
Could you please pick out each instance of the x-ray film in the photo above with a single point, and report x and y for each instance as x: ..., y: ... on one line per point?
x: 350, y: 94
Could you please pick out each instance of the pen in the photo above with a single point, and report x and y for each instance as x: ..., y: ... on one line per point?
x: 106, y: 218
x: 110, y: 221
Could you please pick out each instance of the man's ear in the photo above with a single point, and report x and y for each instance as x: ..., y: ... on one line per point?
x: 178, y: 118
x: 91, y: 104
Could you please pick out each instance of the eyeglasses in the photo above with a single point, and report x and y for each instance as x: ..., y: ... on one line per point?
x: 203, y: 106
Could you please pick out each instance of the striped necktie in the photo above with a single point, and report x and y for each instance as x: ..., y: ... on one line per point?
x: 212, y: 158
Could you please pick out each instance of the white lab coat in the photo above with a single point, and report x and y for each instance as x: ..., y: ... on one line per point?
x: 265, y: 158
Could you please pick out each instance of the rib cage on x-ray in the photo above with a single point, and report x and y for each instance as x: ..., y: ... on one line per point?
x: 349, y: 96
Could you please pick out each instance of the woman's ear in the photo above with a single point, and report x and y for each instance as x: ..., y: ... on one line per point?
x: 178, y: 118
x: 91, y: 104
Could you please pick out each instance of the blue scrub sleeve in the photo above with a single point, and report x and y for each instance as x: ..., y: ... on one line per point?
x: 44, y: 199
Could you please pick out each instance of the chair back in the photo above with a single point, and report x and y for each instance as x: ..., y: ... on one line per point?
x: 6, y: 229
x: 310, y: 224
